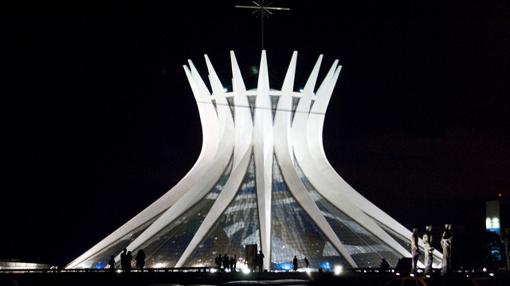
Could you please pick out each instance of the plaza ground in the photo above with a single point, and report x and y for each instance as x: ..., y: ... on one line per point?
x: 268, y: 278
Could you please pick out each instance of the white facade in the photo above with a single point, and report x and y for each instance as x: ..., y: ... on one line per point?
x: 263, y: 178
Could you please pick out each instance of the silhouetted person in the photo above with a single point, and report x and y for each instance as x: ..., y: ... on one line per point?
x: 385, y: 266
x: 140, y: 259
x: 217, y: 261
x: 129, y: 258
x: 111, y: 263
x: 427, y: 242
x: 225, y: 262
x: 123, y: 260
x: 415, y: 250
x: 294, y: 262
x: 233, y: 263
x: 307, y: 263
x: 260, y: 261
x: 446, y: 245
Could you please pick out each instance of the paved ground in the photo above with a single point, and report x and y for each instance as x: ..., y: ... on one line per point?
x: 234, y: 279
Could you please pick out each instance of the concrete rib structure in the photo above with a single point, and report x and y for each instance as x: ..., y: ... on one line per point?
x: 262, y: 177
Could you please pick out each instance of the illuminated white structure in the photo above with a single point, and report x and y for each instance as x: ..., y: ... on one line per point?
x: 262, y: 178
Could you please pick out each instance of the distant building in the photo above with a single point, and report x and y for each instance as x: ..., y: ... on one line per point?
x: 497, y: 219
x: 493, y: 216
x: 262, y: 179
x: 15, y: 264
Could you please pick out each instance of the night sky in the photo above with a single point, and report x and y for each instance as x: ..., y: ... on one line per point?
x: 99, y: 120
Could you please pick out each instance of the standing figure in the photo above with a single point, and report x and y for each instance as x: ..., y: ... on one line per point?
x: 307, y: 263
x: 129, y: 259
x: 217, y: 261
x: 294, y: 262
x: 415, y: 250
x: 226, y: 261
x: 427, y: 241
x: 111, y: 263
x: 384, y: 266
x: 260, y: 261
x: 446, y: 245
x: 233, y: 263
x: 123, y: 260
x: 140, y: 259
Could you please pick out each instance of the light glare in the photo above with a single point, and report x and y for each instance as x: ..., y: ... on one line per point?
x: 159, y: 265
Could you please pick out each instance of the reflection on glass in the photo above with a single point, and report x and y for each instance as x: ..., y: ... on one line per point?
x: 295, y: 234
x: 100, y: 260
x: 165, y: 248
x: 366, y: 249
x: 405, y: 243
x: 235, y: 228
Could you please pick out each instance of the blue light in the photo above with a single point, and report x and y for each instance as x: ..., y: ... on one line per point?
x: 495, y: 230
x: 493, y: 225
x: 325, y: 265
x: 100, y: 265
x: 284, y: 266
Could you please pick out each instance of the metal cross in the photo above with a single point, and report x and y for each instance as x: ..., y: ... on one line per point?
x: 264, y: 10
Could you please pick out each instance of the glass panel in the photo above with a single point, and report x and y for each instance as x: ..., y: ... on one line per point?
x: 295, y: 102
x: 405, y: 243
x: 165, y: 248
x: 100, y: 260
x: 295, y: 234
x: 251, y: 102
x: 230, y: 101
x: 274, y: 104
x: 235, y: 228
x: 366, y: 249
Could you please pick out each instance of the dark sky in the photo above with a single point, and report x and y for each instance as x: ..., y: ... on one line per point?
x: 99, y: 120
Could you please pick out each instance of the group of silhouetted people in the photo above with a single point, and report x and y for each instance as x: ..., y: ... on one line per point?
x: 295, y: 263
x: 126, y: 260
x: 225, y: 262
